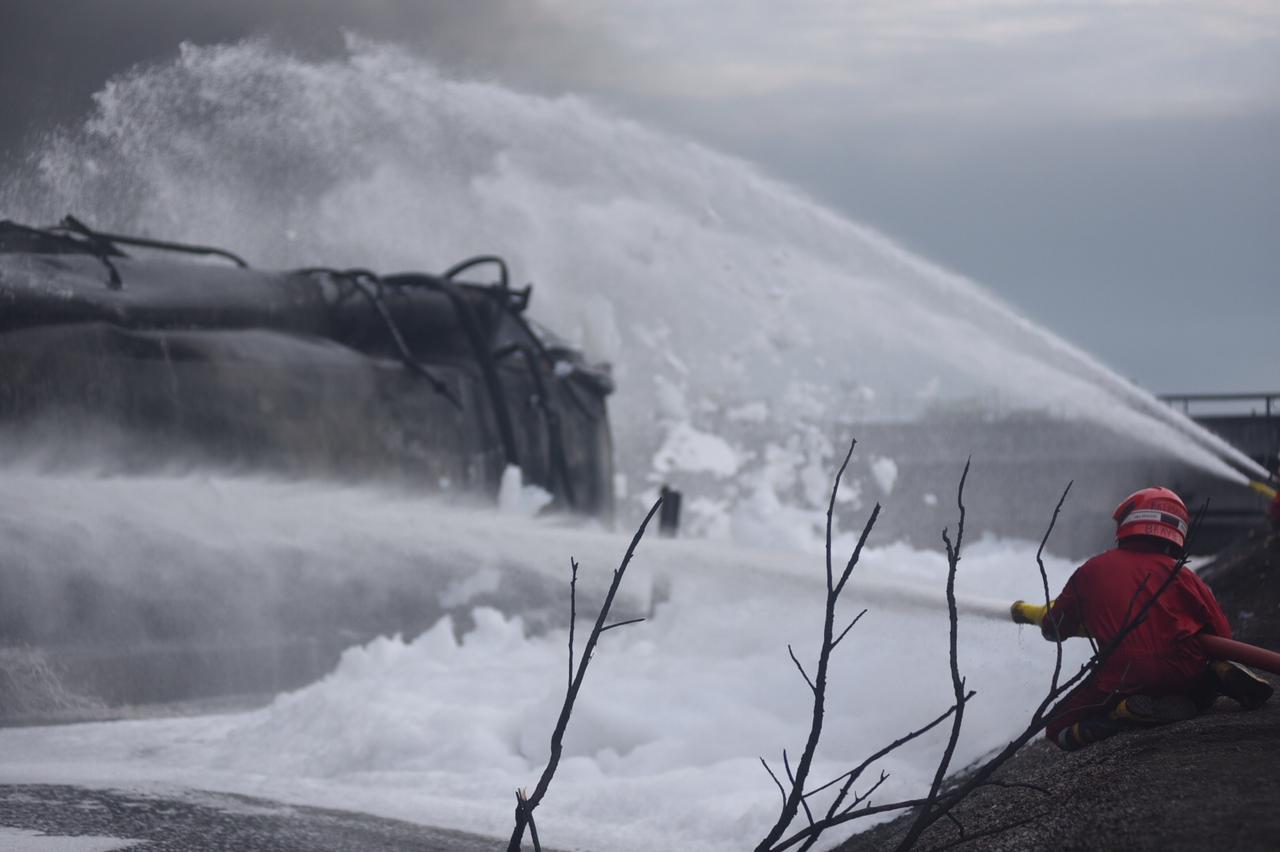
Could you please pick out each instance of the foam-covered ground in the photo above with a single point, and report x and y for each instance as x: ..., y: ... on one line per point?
x: 663, y: 749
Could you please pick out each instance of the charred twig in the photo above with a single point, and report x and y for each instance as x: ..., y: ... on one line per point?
x: 843, y: 809
x: 525, y: 805
x: 986, y: 832
x: 835, y: 808
x: 857, y: 800
x: 800, y: 667
x: 781, y: 789
x: 957, y: 682
x: 809, y: 834
x: 573, y: 611
x: 609, y: 627
x: 795, y: 798
x: 1044, y: 581
x: 838, y: 812
x: 1002, y: 828
x: 522, y: 801
x: 786, y: 764
x: 845, y: 632
x: 853, y: 774
x: 533, y: 833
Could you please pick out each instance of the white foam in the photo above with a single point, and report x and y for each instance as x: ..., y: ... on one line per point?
x: 885, y: 471
x: 662, y: 751
x: 516, y: 498
x: 692, y: 451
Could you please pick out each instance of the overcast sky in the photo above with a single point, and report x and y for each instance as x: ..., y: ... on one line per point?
x: 1110, y: 168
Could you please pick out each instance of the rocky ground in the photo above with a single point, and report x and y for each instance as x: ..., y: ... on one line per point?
x: 1209, y: 783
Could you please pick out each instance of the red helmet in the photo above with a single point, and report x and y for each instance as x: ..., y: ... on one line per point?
x: 1155, y: 512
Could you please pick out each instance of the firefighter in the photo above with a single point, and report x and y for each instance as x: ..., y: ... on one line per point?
x: 1158, y: 672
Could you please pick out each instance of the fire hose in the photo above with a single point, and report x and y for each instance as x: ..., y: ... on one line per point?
x: 1214, y: 647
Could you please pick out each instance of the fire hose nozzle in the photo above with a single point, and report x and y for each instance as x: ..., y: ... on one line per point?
x: 1027, y: 613
x: 1263, y: 489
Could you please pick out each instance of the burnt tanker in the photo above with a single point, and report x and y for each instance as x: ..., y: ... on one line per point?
x: 183, y: 355
x: 130, y: 356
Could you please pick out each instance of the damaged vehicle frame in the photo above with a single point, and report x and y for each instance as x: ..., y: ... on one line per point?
x: 185, y: 356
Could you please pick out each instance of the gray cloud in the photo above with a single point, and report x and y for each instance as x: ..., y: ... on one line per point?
x: 54, y: 54
x: 956, y: 57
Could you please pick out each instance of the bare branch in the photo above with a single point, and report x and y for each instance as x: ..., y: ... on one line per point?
x: 533, y: 832
x: 844, y: 632
x: 573, y: 611
x: 1133, y: 600
x: 800, y: 668
x: 831, y: 506
x: 857, y: 800
x: 1044, y: 580
x: 822, y: 825
x: 852, y: 775
x: 792, y: 778
x: 857, y: 551
x: 781, y: 789
x: 987, y: 832
x: 621, y: 624
x: 818, y: 684
x: 923, y: 820
x: 524, y: 812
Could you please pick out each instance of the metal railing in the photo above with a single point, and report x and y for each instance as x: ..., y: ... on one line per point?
x: 1270, y: 401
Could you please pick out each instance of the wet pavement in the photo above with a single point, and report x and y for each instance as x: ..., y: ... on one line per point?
x: 214, y: 822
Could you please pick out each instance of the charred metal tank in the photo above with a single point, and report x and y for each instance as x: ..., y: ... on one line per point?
x: 168, y: 359
x: 131, y: 356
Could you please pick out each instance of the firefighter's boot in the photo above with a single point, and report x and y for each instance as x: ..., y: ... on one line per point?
x: 1086, y: 732
x: 1238, y: 683
x: 1153, y: 710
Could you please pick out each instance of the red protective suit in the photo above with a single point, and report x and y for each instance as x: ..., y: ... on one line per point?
x: 1102, y: 596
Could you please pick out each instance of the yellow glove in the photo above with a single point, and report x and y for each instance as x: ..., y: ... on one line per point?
x: 1025, y: 613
